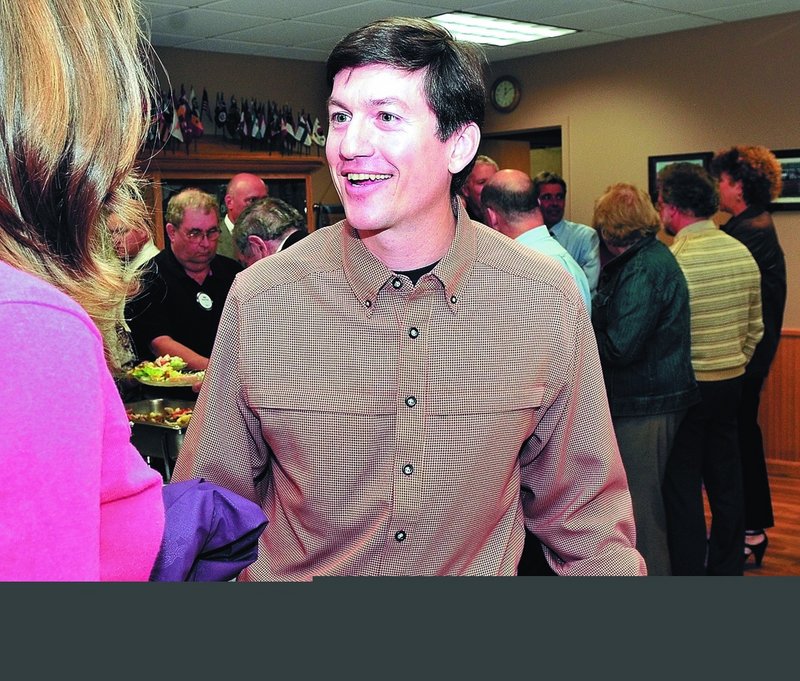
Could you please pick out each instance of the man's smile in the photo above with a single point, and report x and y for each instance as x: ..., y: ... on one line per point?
x: 361, y: 178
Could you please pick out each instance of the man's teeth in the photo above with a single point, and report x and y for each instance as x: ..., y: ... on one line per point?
x: 364, y: 177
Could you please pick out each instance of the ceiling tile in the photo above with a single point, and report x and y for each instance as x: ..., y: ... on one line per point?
x: 202, y: 23
x: 534, y: 10
x: 668, y: 24
x: 294, y: 9
x: 287, y: 33
x: 310, y: 28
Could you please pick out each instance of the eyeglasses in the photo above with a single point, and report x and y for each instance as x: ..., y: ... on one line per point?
x: 551, y: 197
x: 198, y: 234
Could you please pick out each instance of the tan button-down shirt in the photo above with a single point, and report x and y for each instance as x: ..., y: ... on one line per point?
x: 388, y: 429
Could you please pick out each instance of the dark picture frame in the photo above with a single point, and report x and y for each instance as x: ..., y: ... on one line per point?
x: 656, y: 163
x: 790, y: 174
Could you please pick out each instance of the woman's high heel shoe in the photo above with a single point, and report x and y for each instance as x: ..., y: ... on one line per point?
x: 756, y: 550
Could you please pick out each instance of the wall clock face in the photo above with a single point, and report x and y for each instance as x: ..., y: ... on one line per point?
x: 505, y: 94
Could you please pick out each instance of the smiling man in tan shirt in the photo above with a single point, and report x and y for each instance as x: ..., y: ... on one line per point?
x: 405, y: 391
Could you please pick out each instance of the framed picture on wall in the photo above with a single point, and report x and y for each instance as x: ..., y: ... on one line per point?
x: 790, y: 174
x: 656, y: 163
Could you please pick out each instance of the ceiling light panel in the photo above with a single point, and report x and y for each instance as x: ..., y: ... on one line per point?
x: 487, y: 30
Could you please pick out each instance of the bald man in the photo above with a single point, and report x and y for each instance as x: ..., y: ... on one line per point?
x: 243, y: 189
x: 510, y: 206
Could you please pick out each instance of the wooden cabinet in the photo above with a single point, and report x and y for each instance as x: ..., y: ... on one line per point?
x: 212, y: 162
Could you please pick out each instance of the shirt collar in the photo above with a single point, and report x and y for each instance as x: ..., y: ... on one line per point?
x: 540, y: 233
x: 367, y: 275
x: 696, y: 228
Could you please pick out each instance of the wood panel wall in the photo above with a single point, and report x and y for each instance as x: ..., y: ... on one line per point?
x: 779, y: 415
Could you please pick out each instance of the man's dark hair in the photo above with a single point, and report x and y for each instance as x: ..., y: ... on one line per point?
x: 508, y: 201
x: 690, y: 188
x: 547, y: 177
x: 454, y: 82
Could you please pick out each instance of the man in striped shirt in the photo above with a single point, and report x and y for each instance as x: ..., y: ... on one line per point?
x: 725, y: 305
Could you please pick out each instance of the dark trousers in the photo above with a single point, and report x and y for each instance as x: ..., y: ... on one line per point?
x: 755, y: 481
x: 706, y: 453
x: 532, y: 562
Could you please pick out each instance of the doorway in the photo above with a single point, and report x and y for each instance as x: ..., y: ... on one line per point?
x: 528, y: 150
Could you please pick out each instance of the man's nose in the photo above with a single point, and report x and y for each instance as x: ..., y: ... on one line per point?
x: 356, y: 139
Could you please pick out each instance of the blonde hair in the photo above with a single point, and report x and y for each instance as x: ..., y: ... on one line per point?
x: 191, y: 197
x: 623, y: 214
x: 74, y: 102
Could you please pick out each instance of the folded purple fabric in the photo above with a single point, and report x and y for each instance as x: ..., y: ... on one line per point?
x: 210, y: 533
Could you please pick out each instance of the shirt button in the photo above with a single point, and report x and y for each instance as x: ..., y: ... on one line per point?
x: 368, y: 303
x: 411, y: 401
x: 400, y: 536
x: 397, y: 283
x: 413, y: 332
x: 453, y: 300
x: 408, y: 469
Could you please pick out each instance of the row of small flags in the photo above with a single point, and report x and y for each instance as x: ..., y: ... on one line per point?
x: 181, y: 118
x: 259, y: 120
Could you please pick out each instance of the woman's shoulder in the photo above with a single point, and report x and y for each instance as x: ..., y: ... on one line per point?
x: 23, y: 287
x: 29, y: 304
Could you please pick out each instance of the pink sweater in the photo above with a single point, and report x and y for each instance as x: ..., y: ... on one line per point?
x: 77, y: 501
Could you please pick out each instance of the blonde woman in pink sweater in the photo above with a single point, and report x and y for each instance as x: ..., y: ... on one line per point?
x: 77, y: 501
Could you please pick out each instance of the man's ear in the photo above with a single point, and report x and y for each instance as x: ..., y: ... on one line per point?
x: 465, y: 146
x: 170, y: 230
x: 491, y: 216
x: 258, y: 247
x: 228, y: 201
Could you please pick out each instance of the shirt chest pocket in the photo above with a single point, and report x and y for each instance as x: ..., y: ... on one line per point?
x: 343, y: 398
x: 495, y: 398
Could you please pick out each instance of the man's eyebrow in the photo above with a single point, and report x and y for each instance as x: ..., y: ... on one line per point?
x: 383, y: 101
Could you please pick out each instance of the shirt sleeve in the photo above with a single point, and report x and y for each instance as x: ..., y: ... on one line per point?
x: 146, y: 313
x: 623, y: 322
x: 755, y: 324
x: 574, y: 488
x: 232, y: 455
x: 591, y: 263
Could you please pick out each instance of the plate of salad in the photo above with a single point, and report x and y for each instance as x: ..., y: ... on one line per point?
x: 167, y: 371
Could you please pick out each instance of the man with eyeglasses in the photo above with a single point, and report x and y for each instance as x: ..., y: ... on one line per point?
x: 581, y: 241
x: 184, y: 287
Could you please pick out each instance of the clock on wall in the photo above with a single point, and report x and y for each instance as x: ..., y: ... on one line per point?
x: 505, y: 93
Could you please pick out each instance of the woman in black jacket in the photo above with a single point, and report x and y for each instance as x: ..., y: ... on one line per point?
x: 749, y: 178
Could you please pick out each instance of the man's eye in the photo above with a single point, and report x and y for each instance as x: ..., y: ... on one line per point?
x: 387, y: 117
x: 338, y: 117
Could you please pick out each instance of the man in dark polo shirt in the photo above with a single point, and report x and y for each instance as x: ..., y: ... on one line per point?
x: 184, y: 287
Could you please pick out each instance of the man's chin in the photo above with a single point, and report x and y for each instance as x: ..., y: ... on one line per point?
x: 365, y: 230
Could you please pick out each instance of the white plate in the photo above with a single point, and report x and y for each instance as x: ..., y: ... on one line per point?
x: 181, y: 382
